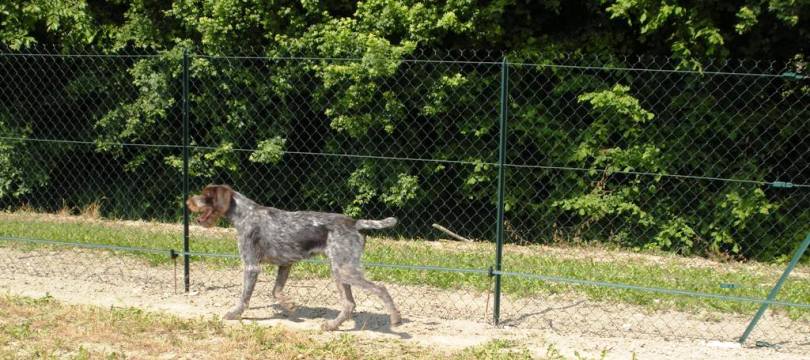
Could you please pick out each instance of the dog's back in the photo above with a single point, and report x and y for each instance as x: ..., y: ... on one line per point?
x: 284, y: 237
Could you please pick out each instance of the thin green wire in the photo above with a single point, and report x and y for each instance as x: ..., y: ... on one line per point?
x: 558, y: 279
x: 405, y: 60
x: 443, y: 161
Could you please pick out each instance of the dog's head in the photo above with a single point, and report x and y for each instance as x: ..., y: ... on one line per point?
x: 213, y: 203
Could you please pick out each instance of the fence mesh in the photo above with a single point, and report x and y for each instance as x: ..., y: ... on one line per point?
x: 639, y: 199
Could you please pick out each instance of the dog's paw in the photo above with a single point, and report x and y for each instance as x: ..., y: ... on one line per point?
x: 329, y: 326
x: 289, y: 308
x: 396, y: 319
x: 234, y: 314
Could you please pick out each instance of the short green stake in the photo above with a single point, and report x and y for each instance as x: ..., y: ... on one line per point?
x: 772, y: 295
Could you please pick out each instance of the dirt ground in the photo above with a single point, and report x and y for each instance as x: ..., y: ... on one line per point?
x: 447, y: 319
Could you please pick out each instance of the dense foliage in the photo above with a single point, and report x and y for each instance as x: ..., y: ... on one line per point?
x: 344, y: 77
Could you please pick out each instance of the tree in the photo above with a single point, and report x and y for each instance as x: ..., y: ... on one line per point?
x: 338, y: 77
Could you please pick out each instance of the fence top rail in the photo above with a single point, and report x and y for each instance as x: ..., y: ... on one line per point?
x: 483, y: 57
x: 775, y: 183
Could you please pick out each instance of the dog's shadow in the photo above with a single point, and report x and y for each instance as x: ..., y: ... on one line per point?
x: 519, y: 319
x: 378, y: 322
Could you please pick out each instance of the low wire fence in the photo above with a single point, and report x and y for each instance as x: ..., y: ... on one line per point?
x: 620, y: 196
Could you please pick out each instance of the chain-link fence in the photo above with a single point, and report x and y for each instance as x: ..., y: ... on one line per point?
x: 620, y: 196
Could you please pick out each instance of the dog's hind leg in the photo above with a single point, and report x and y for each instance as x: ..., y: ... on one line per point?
x: 355, y: 277
x: 348, y: 307
x: 345, y: 247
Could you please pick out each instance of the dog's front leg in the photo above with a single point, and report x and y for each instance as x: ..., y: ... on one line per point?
x: 281, y: 279
x: 251, y: 274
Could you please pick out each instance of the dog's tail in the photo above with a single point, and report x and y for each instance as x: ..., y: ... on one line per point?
x: 375, y: 224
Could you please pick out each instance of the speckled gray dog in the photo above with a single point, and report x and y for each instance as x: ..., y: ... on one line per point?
x: 270, y: 235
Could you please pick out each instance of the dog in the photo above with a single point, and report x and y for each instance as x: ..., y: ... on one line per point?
x: 282, y: 238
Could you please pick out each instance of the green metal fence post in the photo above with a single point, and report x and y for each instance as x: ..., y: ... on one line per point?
x: 186, y: 247
x: 772, y: 295
x: 501, y: 184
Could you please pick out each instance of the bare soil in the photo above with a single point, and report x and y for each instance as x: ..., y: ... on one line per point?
x: 442, y: 319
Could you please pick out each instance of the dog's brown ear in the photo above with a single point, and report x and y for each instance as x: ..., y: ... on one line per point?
x: 222, y: 199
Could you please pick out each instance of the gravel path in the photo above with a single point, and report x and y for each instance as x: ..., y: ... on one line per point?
x: 434, y: 317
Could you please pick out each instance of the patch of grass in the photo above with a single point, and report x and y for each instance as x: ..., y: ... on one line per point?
x: 670, y: 272
x: 55, y: 330
x: 552, y: 353
x: 496, y: 350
